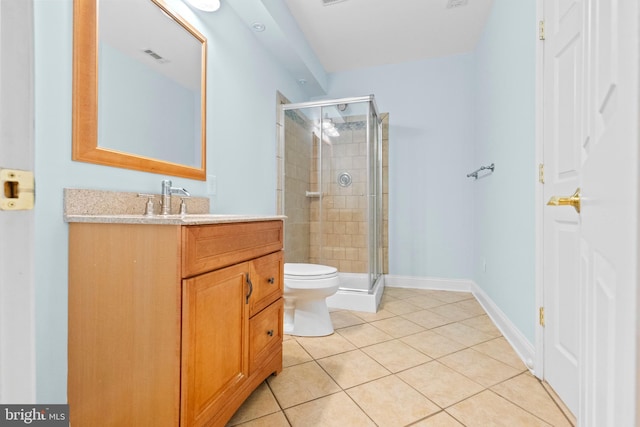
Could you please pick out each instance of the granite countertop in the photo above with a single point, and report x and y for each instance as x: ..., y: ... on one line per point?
x: 110, y: 207
x: 189, y: 219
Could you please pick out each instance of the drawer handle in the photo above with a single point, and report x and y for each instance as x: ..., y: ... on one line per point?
x: 270, y: 332
x: 271, y: 280
x: 250, y: 289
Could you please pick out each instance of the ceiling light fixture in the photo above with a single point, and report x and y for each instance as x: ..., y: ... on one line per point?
x: 258, y: 27
x: 205, y: 5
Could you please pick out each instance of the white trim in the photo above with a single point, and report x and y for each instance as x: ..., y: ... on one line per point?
x: 519, y: 342
x: 523, y: 348
x: 17, y: 247
x: 432, y: 283
x: 539, y: 198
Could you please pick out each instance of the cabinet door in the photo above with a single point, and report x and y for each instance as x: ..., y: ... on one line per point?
x: 215, y: 345
x: 267, y: 277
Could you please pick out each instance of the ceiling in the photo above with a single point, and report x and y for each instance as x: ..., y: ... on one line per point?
x: 351, y: 34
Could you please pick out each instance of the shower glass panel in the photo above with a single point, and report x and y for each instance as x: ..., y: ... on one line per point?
x: 332, y: 188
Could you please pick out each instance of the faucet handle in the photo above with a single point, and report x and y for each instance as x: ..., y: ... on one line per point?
x: 148, y: 210
x: 183, y: 205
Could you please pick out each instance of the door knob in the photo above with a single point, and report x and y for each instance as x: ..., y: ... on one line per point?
x: 573, y: 200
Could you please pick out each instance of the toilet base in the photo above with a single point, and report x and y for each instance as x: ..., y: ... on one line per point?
x: 307, y: 318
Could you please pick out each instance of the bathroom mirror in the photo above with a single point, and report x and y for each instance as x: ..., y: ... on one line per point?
x: 139, y: 88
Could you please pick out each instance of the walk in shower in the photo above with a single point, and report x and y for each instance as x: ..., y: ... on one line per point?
x: 331, y: 191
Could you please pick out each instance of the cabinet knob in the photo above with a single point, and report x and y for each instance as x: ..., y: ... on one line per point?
x: 270, y: 332
x: 271, y: 280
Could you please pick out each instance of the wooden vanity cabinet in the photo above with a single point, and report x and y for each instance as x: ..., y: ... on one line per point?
x: 171, y: 325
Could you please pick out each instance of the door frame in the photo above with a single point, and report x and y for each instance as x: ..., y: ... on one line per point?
x: 538, y: 370
x: 17, y: 248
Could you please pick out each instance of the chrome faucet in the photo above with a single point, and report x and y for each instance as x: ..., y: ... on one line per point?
x: 167, y: 191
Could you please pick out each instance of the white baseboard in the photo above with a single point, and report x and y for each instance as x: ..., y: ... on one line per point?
x: 524, y: 349
x: 520, y: 344
x: 432, y: 283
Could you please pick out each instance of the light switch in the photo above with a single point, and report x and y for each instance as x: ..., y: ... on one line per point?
x: 211, y: 185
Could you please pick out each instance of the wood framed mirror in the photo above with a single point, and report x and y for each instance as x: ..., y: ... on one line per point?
x: 139, y: 88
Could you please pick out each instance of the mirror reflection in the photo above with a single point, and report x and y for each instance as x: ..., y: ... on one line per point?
x: 149, y: 95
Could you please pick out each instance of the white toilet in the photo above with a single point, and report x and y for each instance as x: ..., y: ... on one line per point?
x: 306, y: 288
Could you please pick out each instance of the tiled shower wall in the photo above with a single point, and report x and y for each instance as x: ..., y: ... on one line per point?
x: 335, y: 233
x: 297, y: 166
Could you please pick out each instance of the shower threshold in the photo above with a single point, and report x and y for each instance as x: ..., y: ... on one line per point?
x: 353, y: 294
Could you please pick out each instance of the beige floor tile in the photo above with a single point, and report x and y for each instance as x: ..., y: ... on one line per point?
x: 260, y: 403
x: 426, y: 301
x: 484, y: 324
x: 274, y: 420
x: 397, y: 327
x: 427, y: 319
x: 385, y: 299
x: 401, y: 293
x: 463, y: 334
x: 501, y: 350
x: 450, y: 296
x: 441, y: 419
x: 527, y: 392
x: 336, y: 410
x: 432, y: 344
x: 489, y: 409
x: 453, y: 312
x: 439, y: 383
x: 319, y: 347
x: 343, y: 319
x: 293, y: 354
x: 363, y: 335
x: 370, y: 317
x: 395, y: 355
x: 479, y: 367
x: 402, y: 306
x: 352, y: 368
x: 471, y: 306
x: 389, y: 401
x: 301, y: 383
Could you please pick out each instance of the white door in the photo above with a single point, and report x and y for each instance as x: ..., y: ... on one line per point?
x: 609, y: 231
x: 592, y: 281
x: 17, y: 334
x: 563, y: 139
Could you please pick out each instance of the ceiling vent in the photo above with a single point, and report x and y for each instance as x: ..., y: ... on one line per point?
x: 452, y: 4
x: 330, y: 2
x: 155, y: 56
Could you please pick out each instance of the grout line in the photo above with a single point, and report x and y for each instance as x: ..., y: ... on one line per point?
x: 431, y: 359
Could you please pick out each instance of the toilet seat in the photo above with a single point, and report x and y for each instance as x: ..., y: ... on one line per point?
x: 301, y: 271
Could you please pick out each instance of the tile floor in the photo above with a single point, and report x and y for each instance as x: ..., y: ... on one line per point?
x: 427, y: 358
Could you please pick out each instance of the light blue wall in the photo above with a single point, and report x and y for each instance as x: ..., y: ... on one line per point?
x: 431, y: 145
x: 241, y: 103
x: 505, y: 134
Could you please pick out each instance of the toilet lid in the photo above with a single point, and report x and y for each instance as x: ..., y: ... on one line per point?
x: 309, y: 271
